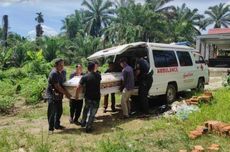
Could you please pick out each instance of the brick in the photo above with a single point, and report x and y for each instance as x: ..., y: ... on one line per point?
x: 225, y: 130
x: 205, y: 98
x: 191, y: 136
x: 199, y: 148
x: 202, y: 129
x: 208, y: 94
x: 209, y: 124
x: 194, y: 97
x: 194, y: 100
x: 194, y: 103
x: 182, y: 150
x: 214, y: 147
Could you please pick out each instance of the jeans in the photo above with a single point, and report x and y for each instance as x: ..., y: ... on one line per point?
x: 89, y: 112
x: 54, y: 113
x: 75, y: 109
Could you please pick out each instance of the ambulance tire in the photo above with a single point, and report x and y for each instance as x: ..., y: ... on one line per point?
x: 200, y: 85
x: 171, y: 93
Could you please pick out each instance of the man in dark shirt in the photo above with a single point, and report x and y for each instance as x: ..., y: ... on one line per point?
x: 145, y: 80
x: 55, y: 92
x: 127, y: 87
x: 106, y: 97
x: 76, y: 105
x: 91, y: 83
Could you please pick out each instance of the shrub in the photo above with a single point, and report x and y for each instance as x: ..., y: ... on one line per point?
x: 32, y: 88
x: 13, y: 73
x: 8, y: 87
x: 6, y: 103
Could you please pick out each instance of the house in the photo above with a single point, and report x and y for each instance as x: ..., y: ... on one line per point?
x: 215, y: 47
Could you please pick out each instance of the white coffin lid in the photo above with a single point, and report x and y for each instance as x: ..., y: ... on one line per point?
x: 114, y: 50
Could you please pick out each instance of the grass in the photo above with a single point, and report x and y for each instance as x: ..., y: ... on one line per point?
x: 155, y: 134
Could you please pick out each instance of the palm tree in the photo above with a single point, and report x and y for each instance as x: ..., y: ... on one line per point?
x: 40, y: 20
x: 73, y: 24
x: 136, y: 23
x: 123, y: 3
x: 5, y: 29
x: 185, y: 24
x: 98, y: 15
x: 219, y: 15
x: 159, y: 5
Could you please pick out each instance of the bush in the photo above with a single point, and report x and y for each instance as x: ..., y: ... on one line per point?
x: 13, y: 73
x: 32, y: 88
x: 8, y: 87
x: 6, y: 103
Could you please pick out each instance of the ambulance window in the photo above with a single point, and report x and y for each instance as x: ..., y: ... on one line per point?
x: 164, y: 59
x: 184, y: 58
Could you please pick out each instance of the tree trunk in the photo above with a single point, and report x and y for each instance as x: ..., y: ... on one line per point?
x: 5, y: 29
x: 39, y: 30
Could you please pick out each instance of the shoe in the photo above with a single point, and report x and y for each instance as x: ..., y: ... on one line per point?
x: 114, y: 110
x: 77, y: 123
x: 83, y: 124
x: 105, y: 111
x: 60, y: 128
x: 71, y: 121
x: 144, y: 116
x: 50, y: 132
x: 125, y: 117
x: 88, y: 129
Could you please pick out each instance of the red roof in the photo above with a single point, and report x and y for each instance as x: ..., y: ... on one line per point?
x: 219, y: 31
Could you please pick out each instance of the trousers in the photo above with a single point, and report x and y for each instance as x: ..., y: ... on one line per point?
x: 106, y: 101
x: 54, y: 113
x: 89, y: 112
x: 75, y: 109
x: 143, y: 91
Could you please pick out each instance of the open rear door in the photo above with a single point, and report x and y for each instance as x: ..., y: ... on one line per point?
x: 114, y: 50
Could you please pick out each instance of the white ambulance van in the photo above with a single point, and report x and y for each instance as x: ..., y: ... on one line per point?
x: 176, y: 68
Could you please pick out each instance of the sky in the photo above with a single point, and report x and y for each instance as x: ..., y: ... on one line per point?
x: 22, y: 13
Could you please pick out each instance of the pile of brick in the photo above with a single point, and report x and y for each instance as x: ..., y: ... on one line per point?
x: 199, y: 148
x: 217, y: 127
x: 206, y: 97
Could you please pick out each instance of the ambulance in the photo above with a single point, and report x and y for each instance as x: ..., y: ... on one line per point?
x: 176, y: 68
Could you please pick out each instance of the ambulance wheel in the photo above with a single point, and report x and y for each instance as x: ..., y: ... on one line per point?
x: 200, y: 85
x: 171, y: 93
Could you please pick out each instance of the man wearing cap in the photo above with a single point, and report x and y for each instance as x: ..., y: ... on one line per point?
x: 76, y: 105
x: 55, y: 92
x: 91, y: 83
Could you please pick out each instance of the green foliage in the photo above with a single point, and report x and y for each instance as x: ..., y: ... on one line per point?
x: 218, y: 15
x: 6, y: 103
x: 13, y: 73
x: 8, y: 87
x: 32, y: 88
